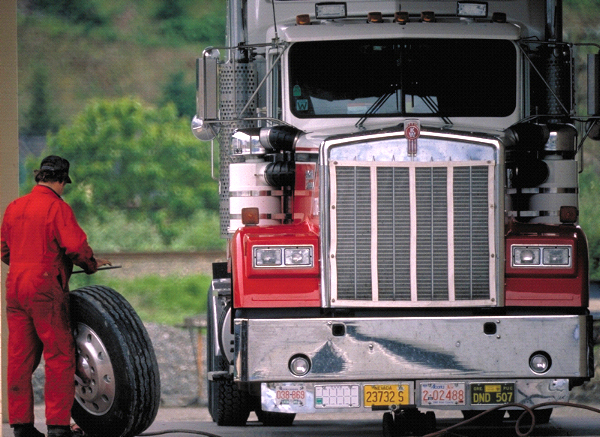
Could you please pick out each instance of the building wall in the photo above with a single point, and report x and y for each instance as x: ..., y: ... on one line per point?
x: 9, y: 147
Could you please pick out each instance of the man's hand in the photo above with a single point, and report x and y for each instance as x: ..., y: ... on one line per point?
x: 103, y: 262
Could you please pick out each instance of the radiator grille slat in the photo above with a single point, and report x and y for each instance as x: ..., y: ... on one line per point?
x: 444, y: 256
x: 393, y: 233
x: 432, y: 233
x: 354, y: 244
x: 471, y: 233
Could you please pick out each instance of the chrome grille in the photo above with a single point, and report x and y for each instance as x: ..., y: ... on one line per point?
x: 412, y: 233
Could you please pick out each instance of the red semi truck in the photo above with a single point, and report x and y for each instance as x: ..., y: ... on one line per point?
x: 399, y: 193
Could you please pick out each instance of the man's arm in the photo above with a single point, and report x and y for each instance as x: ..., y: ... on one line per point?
x: 73, y: 239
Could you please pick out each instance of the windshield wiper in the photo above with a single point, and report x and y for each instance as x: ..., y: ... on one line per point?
x: 429, y: 102
x: 433, y: 107
x: 375, y: 107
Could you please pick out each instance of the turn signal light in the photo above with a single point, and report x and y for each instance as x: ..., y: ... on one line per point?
x: 250, y: 216
x: 568, y: 214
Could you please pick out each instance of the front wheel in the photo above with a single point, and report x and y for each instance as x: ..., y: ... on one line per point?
x: 117, y: 383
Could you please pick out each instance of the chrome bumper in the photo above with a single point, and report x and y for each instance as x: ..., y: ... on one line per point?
x: 392, y: 349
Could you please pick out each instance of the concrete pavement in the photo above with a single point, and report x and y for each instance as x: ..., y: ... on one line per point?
x: 182, y: 422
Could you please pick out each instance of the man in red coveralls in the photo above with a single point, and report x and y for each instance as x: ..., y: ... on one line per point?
x: 41, y: 240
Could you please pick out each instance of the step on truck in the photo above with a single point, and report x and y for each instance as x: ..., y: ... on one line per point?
x: 399, y: 193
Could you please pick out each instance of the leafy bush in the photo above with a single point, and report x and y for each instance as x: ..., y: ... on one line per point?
x: 168, y: 300
x: 138, y: 160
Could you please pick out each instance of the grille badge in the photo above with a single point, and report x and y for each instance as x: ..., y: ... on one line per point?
x: 412, y: 131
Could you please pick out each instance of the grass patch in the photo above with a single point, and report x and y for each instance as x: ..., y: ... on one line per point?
x: 167, y: 300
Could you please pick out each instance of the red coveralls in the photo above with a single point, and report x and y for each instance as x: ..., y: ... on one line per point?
x: 41, y: 240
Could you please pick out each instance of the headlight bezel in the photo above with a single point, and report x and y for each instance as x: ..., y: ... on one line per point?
x: 284, y: 256
x: 539, y: 256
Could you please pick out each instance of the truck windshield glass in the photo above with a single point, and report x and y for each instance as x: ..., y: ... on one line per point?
x: 429, y: 77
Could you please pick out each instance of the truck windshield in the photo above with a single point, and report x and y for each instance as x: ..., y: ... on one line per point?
x: 429, y: 77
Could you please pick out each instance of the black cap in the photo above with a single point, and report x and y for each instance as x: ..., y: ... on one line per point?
x: 56, y: 164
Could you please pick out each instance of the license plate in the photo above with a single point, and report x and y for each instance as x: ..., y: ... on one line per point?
x: 491, y: 394
x: 291, y: 394
x: 386, y: 394
x: 443, y: 393
x: 337, y: 396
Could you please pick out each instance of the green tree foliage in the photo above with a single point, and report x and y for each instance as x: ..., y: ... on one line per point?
x: 77, y: 11
x: 182, y: 94
x: 177, y: 25
x: 40, y: 119
x: 138, y: 160
x: 590, y: 211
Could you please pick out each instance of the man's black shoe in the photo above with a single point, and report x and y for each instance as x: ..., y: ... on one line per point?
x: 26, y: 430
x: 59, y: 431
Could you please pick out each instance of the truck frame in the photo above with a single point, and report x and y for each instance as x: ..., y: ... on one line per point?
x: 399, y: 195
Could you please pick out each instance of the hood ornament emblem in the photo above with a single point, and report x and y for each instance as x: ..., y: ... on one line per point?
x: 412, y: 131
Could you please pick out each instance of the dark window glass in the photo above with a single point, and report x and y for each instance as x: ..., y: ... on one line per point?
x: 428, y: 77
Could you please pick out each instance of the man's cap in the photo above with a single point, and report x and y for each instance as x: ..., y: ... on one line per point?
x: 56, y: 164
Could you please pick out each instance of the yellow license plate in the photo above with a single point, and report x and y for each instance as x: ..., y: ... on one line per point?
x: 386, y: 394
x: 492, y: 394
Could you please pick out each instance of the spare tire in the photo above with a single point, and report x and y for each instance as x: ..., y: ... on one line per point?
x: 117, y: 383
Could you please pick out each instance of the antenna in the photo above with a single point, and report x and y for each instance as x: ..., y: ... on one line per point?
x: 274, y: 20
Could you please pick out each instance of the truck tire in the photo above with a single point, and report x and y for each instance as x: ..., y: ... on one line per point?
x: 117, y: 382
x: 213, y: 363
x: 227, y: 404
x: 233, y: 404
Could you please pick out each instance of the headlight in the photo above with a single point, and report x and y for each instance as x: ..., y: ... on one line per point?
x: 556, y: 256
x: 541, y: 256
x: 526, y: 256
x: 282, y: 256
x: 298, y: 256
x: 267, y: 257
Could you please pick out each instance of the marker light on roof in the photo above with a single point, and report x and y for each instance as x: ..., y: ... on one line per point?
x: 401, y: 17
x: 428, y: 16
x: 303, y: 19
x: 472, y: 9
x: 330, y: 11
x: 374, y: 17
x: 498, y: 17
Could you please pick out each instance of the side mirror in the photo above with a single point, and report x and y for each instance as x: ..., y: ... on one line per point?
x: 205, y: 124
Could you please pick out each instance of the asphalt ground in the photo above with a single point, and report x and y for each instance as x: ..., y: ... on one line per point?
x: 183, y: 422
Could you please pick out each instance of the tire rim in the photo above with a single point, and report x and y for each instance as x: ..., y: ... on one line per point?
x: 94, y: 378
